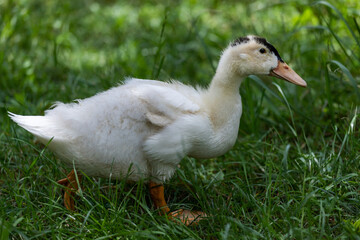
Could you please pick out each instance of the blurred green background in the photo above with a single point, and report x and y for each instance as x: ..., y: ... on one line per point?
x: 294, y: 172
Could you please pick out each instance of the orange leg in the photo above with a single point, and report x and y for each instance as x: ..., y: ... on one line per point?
x: 185, y: 216
x: 157, y: 196
x: 71, y: 187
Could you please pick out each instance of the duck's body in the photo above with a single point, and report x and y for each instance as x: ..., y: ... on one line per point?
x: 143, y: 128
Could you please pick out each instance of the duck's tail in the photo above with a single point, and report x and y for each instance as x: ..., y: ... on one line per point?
x: 40, y: 126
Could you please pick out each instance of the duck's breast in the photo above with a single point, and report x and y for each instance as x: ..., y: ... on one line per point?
x: 220, y: 134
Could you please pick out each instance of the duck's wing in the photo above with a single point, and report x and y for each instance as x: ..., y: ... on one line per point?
x: 164, y: 104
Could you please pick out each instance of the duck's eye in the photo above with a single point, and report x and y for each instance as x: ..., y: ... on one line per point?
x: 262, y: 50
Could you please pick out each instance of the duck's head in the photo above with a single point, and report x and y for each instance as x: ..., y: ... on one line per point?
x: 254, y: 55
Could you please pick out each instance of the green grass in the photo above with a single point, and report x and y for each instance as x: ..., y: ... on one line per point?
x: 294, y: 172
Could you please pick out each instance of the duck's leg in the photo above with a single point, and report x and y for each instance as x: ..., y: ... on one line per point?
x: 157, y: 196
x: 185, y: 216
x: 71, y: 187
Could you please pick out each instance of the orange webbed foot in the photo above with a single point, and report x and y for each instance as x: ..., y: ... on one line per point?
x: 72, y: 187
x: 185, y: 216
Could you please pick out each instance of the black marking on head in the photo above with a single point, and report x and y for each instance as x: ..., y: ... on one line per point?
x: 239, y: 41
x: 269, y: 46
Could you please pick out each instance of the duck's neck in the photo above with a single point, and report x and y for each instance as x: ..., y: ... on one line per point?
x: 225, y: 83
x: 222, y: 98
x: 227, y: 79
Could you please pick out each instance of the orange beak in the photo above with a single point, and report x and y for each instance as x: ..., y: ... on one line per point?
x: 283, y: 71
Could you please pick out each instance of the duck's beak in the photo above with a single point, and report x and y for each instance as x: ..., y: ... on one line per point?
x: 283, y: 71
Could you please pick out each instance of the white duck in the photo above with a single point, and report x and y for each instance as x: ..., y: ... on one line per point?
x: 148, y: 126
